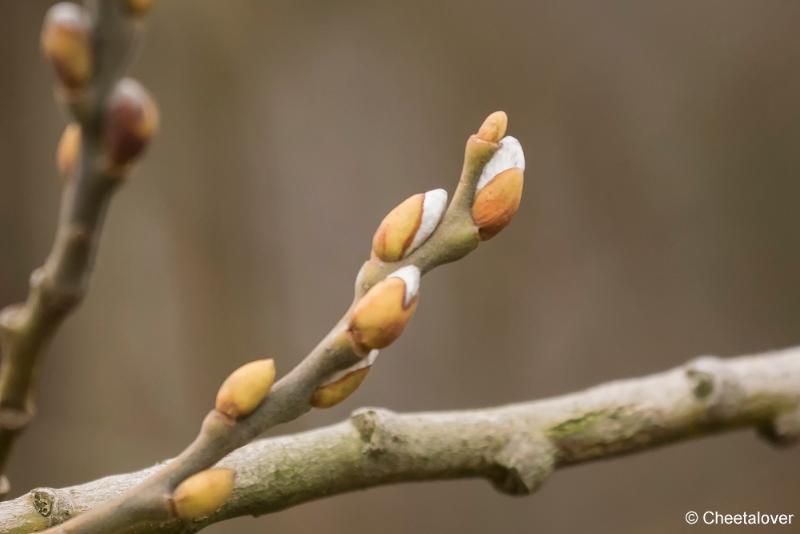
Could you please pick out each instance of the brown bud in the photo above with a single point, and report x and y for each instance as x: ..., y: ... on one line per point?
x: 131, y: 121
x: 245, y: 388
x: 494, y: 127
x: 66, y: 44
x: 343, y: 383
x: 68, y: 148
x: 499, y: 189
x: 203, y: 493
x: 137, y: 7
x: 381, y: 315
x: 409, y: 225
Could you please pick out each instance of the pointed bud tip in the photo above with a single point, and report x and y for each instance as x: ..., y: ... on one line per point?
x: 494, y: 127
x: 203, y: 493
x: 245, y: 388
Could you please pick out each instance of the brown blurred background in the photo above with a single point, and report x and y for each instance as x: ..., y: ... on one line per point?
x: 659, y: 222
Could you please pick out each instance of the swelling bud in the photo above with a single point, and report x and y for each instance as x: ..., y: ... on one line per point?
x: 245, y: 388
x: 65, y: 41
x: 382, y: 314
x: 409, y: 225
x: 131, y: 120
x: 203, y: 493
x: 343, y: 384
x: 499, y: 189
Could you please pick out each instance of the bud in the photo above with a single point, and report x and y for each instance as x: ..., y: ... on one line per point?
x: 409, y: 225
x: 494, y: 127
x: 499, y: 189
x: 137, y: 7
x: 68, y: 148
x: 381, y: 315
x: 66, y: 44
x: 245, y: 388
x: 131, y: 121
x: 343, y: 384
x: 203, y: 493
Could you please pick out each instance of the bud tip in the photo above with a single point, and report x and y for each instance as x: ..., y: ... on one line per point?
x: 494, y: 127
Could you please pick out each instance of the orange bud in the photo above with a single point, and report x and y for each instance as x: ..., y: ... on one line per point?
x: 66, y: 43
x: 494, y: 127
x: 381, y: 315
x: 409, y: 225
x: 203, y: 493
x: 137, y: 7
x: 131, y: 121
x: 68, y: 148
x: 499, y: 189
x: 245, y: 388
x: 343, y: 383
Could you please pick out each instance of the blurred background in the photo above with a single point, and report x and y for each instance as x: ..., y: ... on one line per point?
x: 659, y: 222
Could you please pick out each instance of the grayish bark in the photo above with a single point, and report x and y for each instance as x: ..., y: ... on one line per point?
x: 516, y: 447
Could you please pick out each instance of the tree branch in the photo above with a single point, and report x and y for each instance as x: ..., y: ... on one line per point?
x: 60, y: 284
x: 516, y: 447
x: 418, y: 235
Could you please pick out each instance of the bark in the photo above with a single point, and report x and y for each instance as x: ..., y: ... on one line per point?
x: 516, y: 447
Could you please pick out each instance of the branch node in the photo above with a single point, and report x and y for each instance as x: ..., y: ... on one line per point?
x: 217, y: 423
x: 371, y: 424
x: 523, y: 464
x: 54, y: 505
x: 78, y: 235
x: 714, y: 385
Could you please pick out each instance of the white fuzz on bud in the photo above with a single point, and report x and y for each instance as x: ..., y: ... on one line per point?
x: 508, y: 156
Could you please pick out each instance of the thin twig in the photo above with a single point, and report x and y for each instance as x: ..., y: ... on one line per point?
x: 60, y: 284
x: 455, y: 235
x: 516, y: 447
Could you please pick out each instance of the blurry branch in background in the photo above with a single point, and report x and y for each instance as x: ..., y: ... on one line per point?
x: 516, y: 447
x: 89, y: 50
x: 416, y: 236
